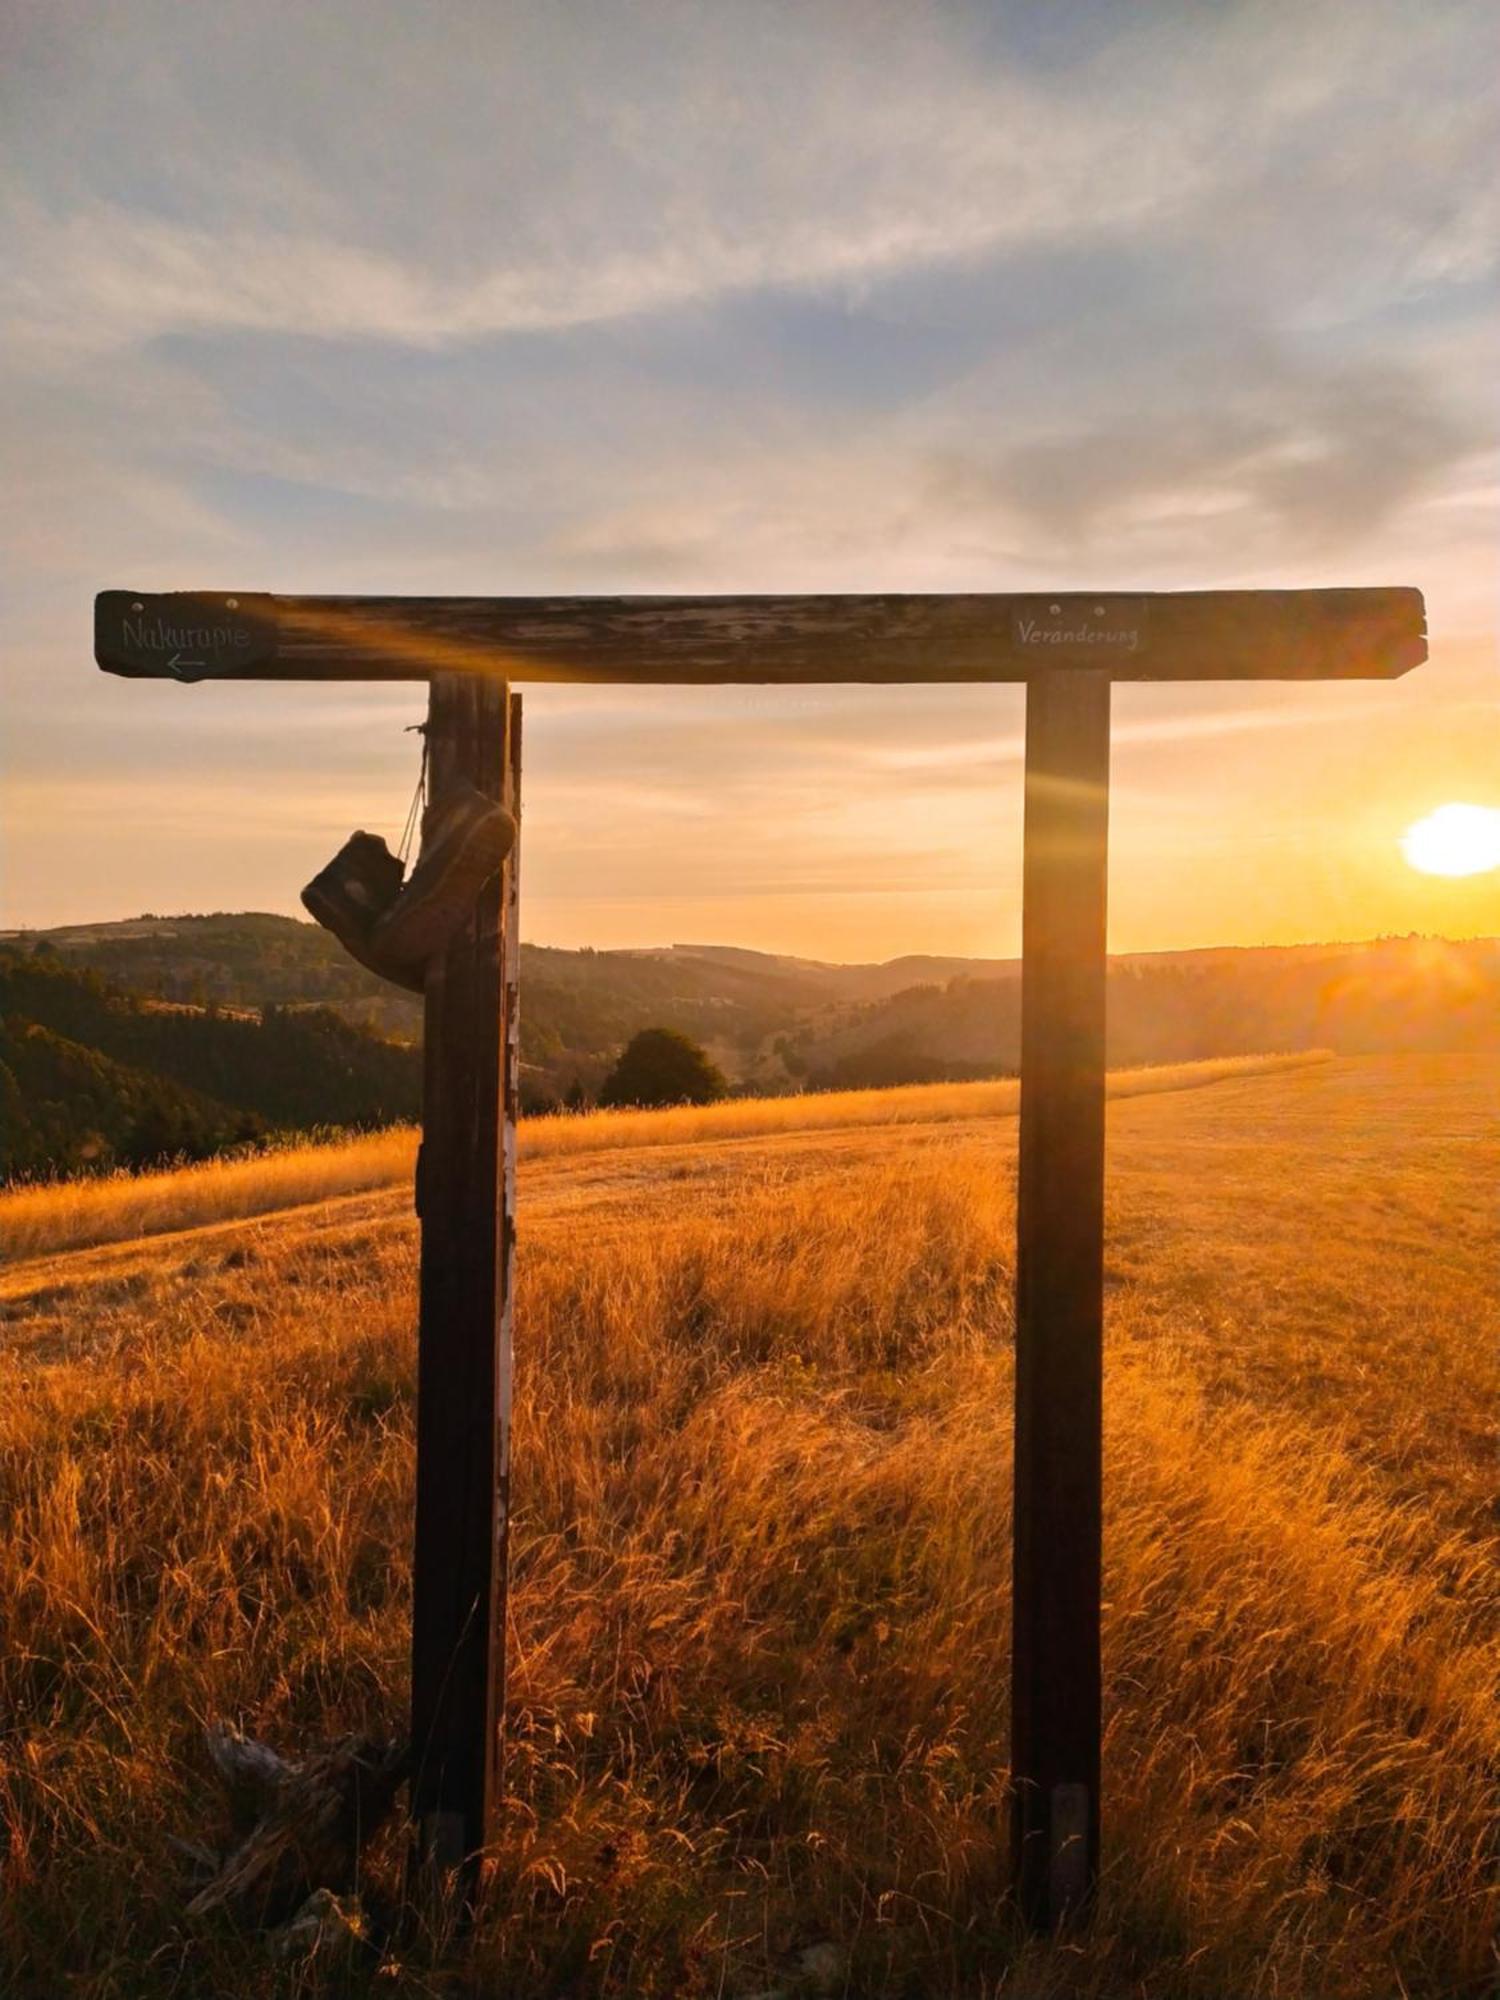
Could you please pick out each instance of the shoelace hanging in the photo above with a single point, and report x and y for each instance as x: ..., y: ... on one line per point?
x: 418, y: 797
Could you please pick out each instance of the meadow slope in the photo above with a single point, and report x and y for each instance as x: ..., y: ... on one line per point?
x: 758, y: 1699
x: 41, y: 1218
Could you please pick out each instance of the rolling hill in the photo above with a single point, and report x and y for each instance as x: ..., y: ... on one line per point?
x: 772, y: 1023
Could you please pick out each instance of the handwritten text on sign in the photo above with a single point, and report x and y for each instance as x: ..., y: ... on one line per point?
x: 1080, y: 628
x: 188, y: 635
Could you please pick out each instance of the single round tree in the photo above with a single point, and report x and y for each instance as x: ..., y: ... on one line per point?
x: 660, y: 1066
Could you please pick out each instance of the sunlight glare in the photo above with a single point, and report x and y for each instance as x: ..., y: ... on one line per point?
x: 1454, y: 840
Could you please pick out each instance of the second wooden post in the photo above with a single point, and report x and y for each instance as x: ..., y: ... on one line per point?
x: 466, y: 1201
x: 1055, y: 1721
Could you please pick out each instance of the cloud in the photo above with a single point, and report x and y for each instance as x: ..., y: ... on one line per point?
x: 1243, y: 437
x: 515, y: 175
x: 831, y: 296
x: 702, y: 164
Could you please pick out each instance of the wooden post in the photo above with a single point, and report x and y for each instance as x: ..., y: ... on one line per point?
x: 466, y: 1200
x: 1055, y: 1722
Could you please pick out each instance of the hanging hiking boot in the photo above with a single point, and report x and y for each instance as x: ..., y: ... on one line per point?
x: 465, y: 837
x: 352, y: 893
x: 358, y: 886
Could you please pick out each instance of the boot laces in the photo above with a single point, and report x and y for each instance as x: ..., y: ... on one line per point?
x: 418, y: 797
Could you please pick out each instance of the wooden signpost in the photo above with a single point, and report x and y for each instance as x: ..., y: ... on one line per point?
x: 466, y: 1199
x: 1068, y: 649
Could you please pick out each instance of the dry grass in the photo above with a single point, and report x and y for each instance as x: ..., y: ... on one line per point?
x: 42, y: 1220
x: 761, y: 1590
x: 845, y: 1110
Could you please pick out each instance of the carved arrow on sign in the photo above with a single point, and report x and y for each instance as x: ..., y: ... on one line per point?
x: 191, y: 635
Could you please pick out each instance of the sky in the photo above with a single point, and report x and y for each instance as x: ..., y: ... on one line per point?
x: 515, y: 298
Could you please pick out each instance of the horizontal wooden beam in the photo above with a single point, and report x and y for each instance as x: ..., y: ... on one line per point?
x: 1170, y: 636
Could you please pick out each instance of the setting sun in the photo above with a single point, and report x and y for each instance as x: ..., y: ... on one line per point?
x: 1454, y: 840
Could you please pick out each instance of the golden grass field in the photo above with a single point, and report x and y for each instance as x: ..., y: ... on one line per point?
x: 759, y: 1622
x: 42, y: 1218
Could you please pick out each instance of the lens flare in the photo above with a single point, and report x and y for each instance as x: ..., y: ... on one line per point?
x: 1454, y: 840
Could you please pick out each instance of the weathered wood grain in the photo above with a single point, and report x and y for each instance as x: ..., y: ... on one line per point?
x: 466, y: 1200
x: 1187, y: 635
x: 1055, y: 1660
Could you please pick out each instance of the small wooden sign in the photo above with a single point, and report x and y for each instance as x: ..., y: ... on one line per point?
x: 1098, y: 630
x: 183, y: 635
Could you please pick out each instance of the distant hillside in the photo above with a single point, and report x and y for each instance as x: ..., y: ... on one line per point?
x: 580, y: 1006
x: 247, y: 959
x: 772, y: 1022
x: 92, y: 1076
x: 850, y: 982
x: 1394, y: 995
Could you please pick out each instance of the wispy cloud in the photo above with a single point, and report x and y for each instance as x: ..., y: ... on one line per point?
x: 538, y: 180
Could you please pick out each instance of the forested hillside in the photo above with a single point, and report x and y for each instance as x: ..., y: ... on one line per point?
x: 1394, y: 995
x: 93, y: 1077
x: 180, y: 1035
